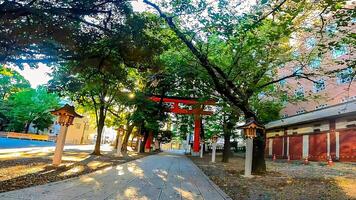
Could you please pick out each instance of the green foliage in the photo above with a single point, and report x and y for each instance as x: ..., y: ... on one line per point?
x: 11, y: 82
x: 30, y: 106
x: 49, y: 31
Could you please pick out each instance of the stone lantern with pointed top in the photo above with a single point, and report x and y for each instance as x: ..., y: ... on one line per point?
x: 250, y: 131
x: 214, y: 140
x: 66, y: 116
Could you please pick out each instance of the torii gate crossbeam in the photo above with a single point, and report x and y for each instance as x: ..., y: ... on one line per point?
x: 197, y: 111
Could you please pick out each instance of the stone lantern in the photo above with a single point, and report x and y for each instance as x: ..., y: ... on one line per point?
x: 250, y: 132
x: 214, y: 140
x: 66, y: 116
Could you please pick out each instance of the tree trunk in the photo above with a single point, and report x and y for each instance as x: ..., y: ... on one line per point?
x: 258, y: 161
x: 227, y: 147
x: 126, y: 139
x: 100, y: 125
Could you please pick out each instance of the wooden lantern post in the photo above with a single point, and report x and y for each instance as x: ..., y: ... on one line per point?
x: 66, y: 116
x: 249, y: 130
x: 120, y: 132
x: 214, y: 140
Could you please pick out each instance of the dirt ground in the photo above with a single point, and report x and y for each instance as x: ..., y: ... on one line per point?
x: 283, y: 180
x: 33, y: 167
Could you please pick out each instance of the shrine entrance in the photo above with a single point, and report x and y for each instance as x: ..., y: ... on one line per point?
x: 195, y: 107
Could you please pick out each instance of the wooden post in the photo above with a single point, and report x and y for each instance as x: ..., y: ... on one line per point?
x: 196, y: 135
x: 58, y: 152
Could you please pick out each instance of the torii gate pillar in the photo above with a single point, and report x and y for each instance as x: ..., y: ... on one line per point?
x: 197, y: 128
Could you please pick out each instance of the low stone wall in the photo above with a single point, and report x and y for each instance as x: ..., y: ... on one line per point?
x: 27, y: 136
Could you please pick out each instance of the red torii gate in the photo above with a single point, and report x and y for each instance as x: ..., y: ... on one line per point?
x: 197, y: 111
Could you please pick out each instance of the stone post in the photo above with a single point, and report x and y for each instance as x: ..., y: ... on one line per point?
x: 248, y: 157
x: 213, y: 152
x: 138, y: 145
x: 201, y: 149
x: 119, y: 145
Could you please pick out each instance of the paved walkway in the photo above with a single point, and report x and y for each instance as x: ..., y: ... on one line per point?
x: 162, y: 176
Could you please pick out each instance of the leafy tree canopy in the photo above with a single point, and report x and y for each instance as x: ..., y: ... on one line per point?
x: 30, y: 106
x: 11, y: 82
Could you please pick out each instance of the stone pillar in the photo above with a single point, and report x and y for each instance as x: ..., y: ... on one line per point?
x: 337, y: 144
x: 119, y: 145
x: 201, y: 149
x: 248, y: 157
x: 156, y: 145
x: 187, y: 147
x: 327, y: 145
x: 58, y: 152
x: 305, y: 146
x: 287, y: 147
x: 213, y: 152
x: 270, y: 146
x: 139, y: 144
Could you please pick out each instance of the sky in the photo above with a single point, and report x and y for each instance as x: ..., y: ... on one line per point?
x: 36, y: 76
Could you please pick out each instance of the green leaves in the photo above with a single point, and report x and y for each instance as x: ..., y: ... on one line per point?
x: 30, y: 106
x: 11, y: 82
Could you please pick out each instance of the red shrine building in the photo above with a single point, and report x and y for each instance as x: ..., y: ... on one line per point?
x: 323, y: 127
x: 316, y: 135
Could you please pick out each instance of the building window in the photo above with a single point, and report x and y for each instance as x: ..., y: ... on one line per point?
x: 301, y: 111
x: 310, y: 43
x: 295, y: 54
x: 331, y: 29
x: 339, y: 51
x: 298, y: 70
x: 346, y: 99
x: 345, y: 76
x: 283, y: 82
x: 319, y: 86
x: 299, y: 92
x: 321, y: 106
x: 315, y: 63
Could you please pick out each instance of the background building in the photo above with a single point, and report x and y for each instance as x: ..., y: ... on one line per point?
x: 322, y: 126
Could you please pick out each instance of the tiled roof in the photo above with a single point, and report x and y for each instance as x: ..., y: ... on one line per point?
x: 317, y: 115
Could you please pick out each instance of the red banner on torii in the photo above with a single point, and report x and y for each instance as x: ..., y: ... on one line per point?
x: 197, y: 110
